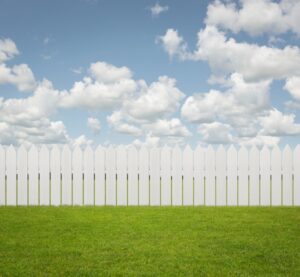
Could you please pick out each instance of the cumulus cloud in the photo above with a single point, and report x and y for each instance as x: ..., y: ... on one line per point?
x: 94, y: 124
x: 292, y: 85
x: 270, y: 17
x: 215, y: 133
x: 157, y: 9
x: 8, y: 50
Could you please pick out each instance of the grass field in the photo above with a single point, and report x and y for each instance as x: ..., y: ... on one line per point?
x: 146, y: 241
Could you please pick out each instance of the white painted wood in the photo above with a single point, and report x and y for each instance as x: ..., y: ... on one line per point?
x: 287, y: 183
x: 55, y: 157
x: 232, y: 176
x: 33, y: 171
x: 22, y: 168
x: 276, y: 176
x: 165, y: 176
x: 144, y: 176
x: 44, y: 167
x: 133, y: 189
x: 2, y: 176
x: 176, y: 176
x: 155, y: 176
x: 188, y: 173
x: 199, y: 159
x: 221, y: 189
x: 110, y: 165
x: 243, y: 169
x: 296, y: 170
x: 254, y: 177
x: 77, y: 167
x: 210, y: 171
x: 122, y: 176
x: 100, y: 176
x: 66, y: 184
x: 11, y: 171
x: 88, y: 169
x: 265, y: 165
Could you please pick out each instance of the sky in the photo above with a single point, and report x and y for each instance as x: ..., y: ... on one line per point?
x: 154, y: 73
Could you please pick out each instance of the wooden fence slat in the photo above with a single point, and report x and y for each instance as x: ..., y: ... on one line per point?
x: 210, y: 184
x: 296, y: 170
x: 44, y: 167
x: 55, y: 156
x: 77, y: 167
x: 254, y: 177
x: 232, y: 176
x: 88, y: 169
x: 265, y: 188
x: 165, y: 176
x: 66, y: 168
x: 100, y: 176
x: 199, y: 159
x: 121, y: 176
x: 2, y: 176
x: 276, y: 176
x: 33, y: 171
x: 188, y: 173
x: 110, y: 166
x: 154, y: 176
x: 176, y: 176
x: 287, y: 183
x: 221, y: 176
x: 133, y: 197
x: 243, y: 166
x: 22, y: 167
x: 11, y: 171
x: 143, y: 176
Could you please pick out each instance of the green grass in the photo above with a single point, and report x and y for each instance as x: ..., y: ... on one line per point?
x: 146, y: 241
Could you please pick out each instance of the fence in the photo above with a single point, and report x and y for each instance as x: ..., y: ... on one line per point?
x: 159, y: 176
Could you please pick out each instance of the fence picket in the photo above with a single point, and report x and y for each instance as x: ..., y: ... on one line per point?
x: 276, y: 176
x: 66, y: 169
x: 133, y: 176
x: 110, y: 166
x: 55, y: 176
x: 77, y: 167
x: 232, y: 176
x: 88, y: 184
x: 287, y: 183
x: 2, y: 176
x: 296, y: 170
x: 243, y: 165
x: 11, y: 166
x: 165, y: 176
x: 210, y: 180
x: 265, y: 188
x: 122, y: 176
x: 143, y: 176
x: 154, y: 177
x: 22, y: 167
x: 100, y: 176
x: 44, y: 167
x: 188, y: 173
x: 254, y: 177
x: 33, y: 171
x: 199, y: 159
x: 221, y: 176
x: 176, y: 176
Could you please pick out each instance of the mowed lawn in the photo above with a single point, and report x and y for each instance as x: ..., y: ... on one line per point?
x: 149, y: 241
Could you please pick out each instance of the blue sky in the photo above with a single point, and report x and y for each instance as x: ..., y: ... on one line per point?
x: 148, y: 72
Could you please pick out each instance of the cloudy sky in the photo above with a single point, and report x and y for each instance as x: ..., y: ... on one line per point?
x: 145, y: 72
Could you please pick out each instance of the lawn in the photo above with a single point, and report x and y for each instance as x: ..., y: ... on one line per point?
x: 149, y: 241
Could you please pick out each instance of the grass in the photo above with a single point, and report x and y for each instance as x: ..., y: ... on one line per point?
x: 149, y: 241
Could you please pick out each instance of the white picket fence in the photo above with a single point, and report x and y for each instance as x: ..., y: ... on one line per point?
x: 157, y: 176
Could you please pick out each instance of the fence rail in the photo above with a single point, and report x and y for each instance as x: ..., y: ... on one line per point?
x: 157, y: 176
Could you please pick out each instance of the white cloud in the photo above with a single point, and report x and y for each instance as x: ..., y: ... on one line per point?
x: 270, y: 17
x: 215, y: 133
x: 226, y: 56
x: 292, y: 85
x: 278, y: 124
x: 19, y: 75
x: 8, y: 50
x: 94, y: 124
x: 160, y: 99
x: 157, y: 9
x: 81, y: 141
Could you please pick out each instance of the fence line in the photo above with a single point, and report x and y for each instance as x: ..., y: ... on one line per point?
x: 158, y: 176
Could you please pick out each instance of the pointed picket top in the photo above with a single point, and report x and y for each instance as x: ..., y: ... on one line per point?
x: 232, y: 149
x: 287, y: 157
x: 287, y: 149
x: 187, y: 149
x: 254, y: 150
x: 165, y: 148
x: 11, y: 149
x: 210, y: 151
x: 221, y: 157
x: 33, y: 151
x: 88, y: 149
x: 243, y: 157
x: 22, y: 149
x: 276, y: 157
x: 199, y: 149
x: 221, y: 149
x: 143, y: 150
x: 66, y: 150
x: 100, y: 148
x: 297, y: 148
x: 296, y: 156
x: 44, y: 149
x: 55, y: 150
x: 132, y: 150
